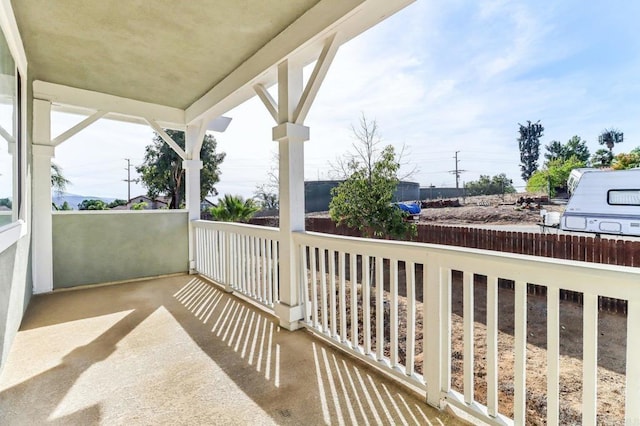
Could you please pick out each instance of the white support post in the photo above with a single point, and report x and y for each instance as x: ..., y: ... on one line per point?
x: 291, y: 139
x: 42, y: 231
x: 192, y: 167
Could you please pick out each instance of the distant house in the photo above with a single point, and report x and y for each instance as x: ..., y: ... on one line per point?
x: 151, y: 204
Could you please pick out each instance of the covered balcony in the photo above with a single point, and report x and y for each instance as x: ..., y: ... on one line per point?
x: 170, y: 312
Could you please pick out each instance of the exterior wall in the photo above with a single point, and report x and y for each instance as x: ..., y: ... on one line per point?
x: 436, y: 193
x: 317, y: 194
x: 105, y: 246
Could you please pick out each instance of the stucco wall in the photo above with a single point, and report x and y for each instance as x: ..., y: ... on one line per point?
x: 100, y: 247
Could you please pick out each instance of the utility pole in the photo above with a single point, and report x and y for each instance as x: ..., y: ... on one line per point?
x: 129, y: 180
x: 457, y: 171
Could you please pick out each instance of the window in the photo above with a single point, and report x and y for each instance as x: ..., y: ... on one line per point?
x: 623, y: 197
x: 8, y: 130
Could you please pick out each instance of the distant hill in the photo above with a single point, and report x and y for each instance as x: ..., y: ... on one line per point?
x: 74, y: 200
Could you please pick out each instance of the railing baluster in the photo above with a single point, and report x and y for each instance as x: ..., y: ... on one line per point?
x: 632, y: 407
x: 305, y: 283
x: 446, y: 280
x: 410, y: 279
x: 323, y: 290
x: 492, y: 345
x: 269, y: 273
x: 366, y: 303
x: 590, y: 359
x: 353, y: 276
x: 276, y: 260
x: 254, y: 268
x: 379, y: 309
x: 314, y: 288
x: 393, y: 312
x: 553, y: 355
x: 215, y: 255
x: 332, y: 292
x: 468, y: 326
x: 263, y: 258
x: 520, y: 376
x: 343, y: 299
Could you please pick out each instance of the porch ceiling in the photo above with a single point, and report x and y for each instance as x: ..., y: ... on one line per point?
x: 174, y: 53
x: 164, y: 52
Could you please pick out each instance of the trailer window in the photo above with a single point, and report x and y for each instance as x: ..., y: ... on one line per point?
x: 623, y: 197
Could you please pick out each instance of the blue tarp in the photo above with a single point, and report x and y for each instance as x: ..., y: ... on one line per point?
x: 410, y: 208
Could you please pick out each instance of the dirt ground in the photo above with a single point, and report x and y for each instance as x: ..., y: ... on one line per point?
x: 482, y: 209
x: 487, y: 209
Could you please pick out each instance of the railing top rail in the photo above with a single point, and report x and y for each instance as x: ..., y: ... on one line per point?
x: 117, y: 212
x: 239, y: 228
x: 607, y: 280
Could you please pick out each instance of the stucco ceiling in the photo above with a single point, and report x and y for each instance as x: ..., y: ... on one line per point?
x: 166, y: 52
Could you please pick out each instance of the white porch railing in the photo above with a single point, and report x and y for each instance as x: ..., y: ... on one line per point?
x: 351, y: 289
x: 242, y: 257
x: 378, y: 267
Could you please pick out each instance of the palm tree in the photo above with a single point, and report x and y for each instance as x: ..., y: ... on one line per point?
x: 58, y: 181
x: 610, y: 137
x: 234, y: 208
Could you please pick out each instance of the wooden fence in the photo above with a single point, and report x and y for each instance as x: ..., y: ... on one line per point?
x: 571, y: 247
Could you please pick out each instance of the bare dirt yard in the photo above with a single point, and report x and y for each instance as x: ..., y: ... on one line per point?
x: 487, y: 209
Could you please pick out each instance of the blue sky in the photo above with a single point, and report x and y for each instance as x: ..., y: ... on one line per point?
x: 439, y: 77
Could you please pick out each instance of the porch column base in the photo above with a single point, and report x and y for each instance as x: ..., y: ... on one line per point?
x: 289, y: 316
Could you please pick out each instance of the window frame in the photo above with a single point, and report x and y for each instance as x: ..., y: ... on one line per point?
x: 622, y: 190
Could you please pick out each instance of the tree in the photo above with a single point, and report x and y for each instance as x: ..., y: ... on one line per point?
x: 601, y: 158
x: 58, y: 181
x: 366, y: 152
x: 162, y: 172
x: 553, y: 176
x: 139, y: 206
x: 266, y: 197
x: 498, y: 184
x: 624, y: 161
x: 92, y: 205
x: 610, y: 137
x: 363, y: 200
x: 529, y: 143
x: 65, y: 206
x: 5, y: 202
x: 266, y: 194
x: 116, y: 203
x: 575, y: 147
x: 234, y: 208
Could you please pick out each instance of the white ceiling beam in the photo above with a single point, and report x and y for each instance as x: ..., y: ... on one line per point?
x: 70, y: 109
x: 165, y: 137
x: 267, y: 100
x: 301, y: 41
x: 59, y: 94
x: 315, y: 80
x: 195, y: 152
x: 78, y: 127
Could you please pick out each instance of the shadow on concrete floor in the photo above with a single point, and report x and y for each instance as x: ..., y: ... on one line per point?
x: 179, y: 350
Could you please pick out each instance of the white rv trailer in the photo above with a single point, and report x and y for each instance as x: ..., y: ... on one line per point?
x: 604, y: 202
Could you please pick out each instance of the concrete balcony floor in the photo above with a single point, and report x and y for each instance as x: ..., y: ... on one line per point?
x: 179, y: 350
